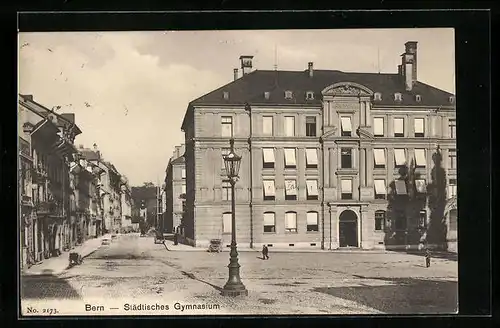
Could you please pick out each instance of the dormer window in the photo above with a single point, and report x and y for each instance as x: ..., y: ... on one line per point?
x: 226, y: 95
x: 309, y: 95
x: 377, y: 96
x: 451, y: 99
x: 397, y: 96
x: 418, y: 98
x: 288, y: 94
x: 267, y: 94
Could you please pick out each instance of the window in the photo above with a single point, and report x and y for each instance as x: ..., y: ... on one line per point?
x: 226, y: 95
x: 309, y: 95
x: 289, y: 126
x: 267, y: 94
x: 377, y: 96
x: 399, y: 157
x: 452, y: 188
x: 183, y: 188
x: 346, y: 158
x: 312, y: 221
x: 399, y: 130
x: 453, y: 219
x: 290, y: 161
x: 267, y: 125
x: 312, y: 189
x: 451, y: 99
x: 269, y: 190
x: 422, y: 219
x: 452, y: 128
x: 269, y: 222
x: 420, y: 157
x: 290, y: 190
x: 418, y: 98
x: 288, y: 94
x: 452, y: 158
x: 226, y: 223
x: 226, y: 190
x: 268, y: 158
x: 419, y: 127
x: 183, y: 173
x: 400, y: 187
x: 397, y: 96
x: 379, y: 157
x: 420, y: 186
x: 379, y: 220
x: 346, y: 189
x: 380, y: 190
x: 346, y: 128
x: 224, y: 152
x: 227, y: 126
x: 291, y: 222
x: 378, y: 126
x: 310, y: 126
x: 311, y: 158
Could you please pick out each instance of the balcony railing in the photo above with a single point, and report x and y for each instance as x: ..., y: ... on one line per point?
x: 46, y: 207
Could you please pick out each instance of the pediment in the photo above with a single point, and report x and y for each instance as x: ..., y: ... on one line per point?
x: 365, y: 134
x: 329, y: 133
x: 347, y: 89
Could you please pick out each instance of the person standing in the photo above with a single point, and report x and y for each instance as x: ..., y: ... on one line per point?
x: 265, y: 252
x: 427, y: 258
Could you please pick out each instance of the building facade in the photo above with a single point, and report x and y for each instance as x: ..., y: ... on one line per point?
x: 44, y: 180
x: 175, y: 191
x: 329, y: 159
x: 126, y: 205
x: 145, y: 203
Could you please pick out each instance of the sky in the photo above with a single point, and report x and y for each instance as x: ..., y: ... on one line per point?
x: 129, y: 90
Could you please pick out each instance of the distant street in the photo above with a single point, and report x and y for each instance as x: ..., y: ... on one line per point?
x: 133, y: 268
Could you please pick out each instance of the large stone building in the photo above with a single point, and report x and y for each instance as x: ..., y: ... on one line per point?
x: 175, y: 191
x: 329, y: 159
x: 46, y: 147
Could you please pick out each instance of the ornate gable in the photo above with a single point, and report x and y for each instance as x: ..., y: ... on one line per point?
x: 347, y: 89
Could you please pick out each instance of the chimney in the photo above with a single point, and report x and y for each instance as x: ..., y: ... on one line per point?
x: 80, y: 146
x: 177, y: 151
x: 246, y: 64
x: 409, y: 64
x: 400, y: 70
x: 310, y: 68
x: 28, y: 97
x: 235, y: 72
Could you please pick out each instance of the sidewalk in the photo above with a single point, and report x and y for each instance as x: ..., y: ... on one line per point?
x: 59, y: 264
x: 187, y: 248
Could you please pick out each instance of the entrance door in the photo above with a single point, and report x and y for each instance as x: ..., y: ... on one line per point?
x: 348, y: 229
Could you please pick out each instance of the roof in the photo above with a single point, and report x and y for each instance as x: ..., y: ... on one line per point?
x: 90, y: 155
x: 68, y: 119
x: 178, y: 160
x: 143, y: 193
x: 251, y: 87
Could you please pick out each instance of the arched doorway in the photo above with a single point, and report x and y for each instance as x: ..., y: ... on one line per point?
x: 348, y: 229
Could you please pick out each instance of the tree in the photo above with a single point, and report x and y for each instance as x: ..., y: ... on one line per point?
x: 148, y: 184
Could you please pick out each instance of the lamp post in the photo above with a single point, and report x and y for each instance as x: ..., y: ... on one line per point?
x: 233, y: 286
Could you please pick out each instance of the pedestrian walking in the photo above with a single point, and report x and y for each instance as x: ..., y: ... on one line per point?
x: 265, y: 252
x: 427, y: 258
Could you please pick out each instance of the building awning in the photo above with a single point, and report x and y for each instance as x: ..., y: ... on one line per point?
x: 312, y: 187
x: 379, y: 155
x: 268, y: 155
x: 290, y: 187
x: 380, y: 187
x: 311, y: 156
x: 269, y: 190
x: 400, y: 187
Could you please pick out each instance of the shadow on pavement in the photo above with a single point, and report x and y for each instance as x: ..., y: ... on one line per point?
x: 47, y: 286
x: 192, y: 276
x: 403, y: 296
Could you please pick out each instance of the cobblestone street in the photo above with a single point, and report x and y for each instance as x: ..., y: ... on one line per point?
x: 134, y: 269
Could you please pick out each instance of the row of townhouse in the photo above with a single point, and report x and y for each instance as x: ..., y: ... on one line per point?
x: 329, y: 159
x: 66, y: 194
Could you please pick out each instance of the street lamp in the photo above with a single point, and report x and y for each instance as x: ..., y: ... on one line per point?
x: 233, y: 286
